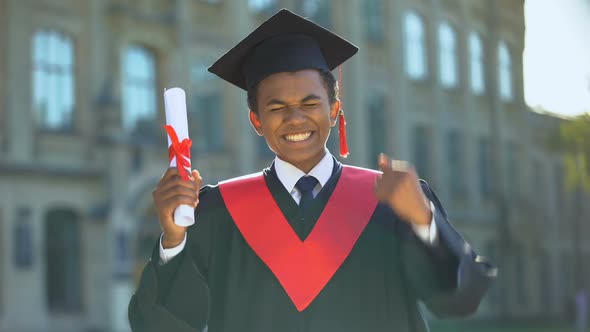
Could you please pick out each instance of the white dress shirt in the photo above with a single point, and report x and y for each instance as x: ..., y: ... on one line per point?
x: 289, y: 175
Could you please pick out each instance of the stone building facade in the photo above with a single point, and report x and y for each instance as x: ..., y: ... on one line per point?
x: 438, y: 83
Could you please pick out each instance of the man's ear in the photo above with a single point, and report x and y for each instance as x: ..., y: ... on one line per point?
x: 334, y: 110
x: 255, y: 122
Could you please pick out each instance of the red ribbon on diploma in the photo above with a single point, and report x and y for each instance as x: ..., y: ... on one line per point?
x: 180, y: 150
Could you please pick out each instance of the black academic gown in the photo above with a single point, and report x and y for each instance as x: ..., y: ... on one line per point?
x: 219, y: 281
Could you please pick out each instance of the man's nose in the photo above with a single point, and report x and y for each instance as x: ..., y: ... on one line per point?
x: 295, y: 114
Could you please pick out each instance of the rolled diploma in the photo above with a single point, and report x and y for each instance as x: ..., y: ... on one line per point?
x: 175, y: 105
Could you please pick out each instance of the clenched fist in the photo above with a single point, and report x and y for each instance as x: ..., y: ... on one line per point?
x: 399, y: 187
x: 171, y: 192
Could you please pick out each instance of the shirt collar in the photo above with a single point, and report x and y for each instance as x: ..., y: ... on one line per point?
x: 289, y: 174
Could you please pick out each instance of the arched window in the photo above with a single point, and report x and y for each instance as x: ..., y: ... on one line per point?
x: 139, y: 87
x: 415, y: 46
x: 504, y: 72
x: 447, y: 57
x: 476, y: 63
x: 53, y: 80
x: 63, y: 261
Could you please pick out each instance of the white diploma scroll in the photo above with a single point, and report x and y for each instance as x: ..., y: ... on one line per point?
x: 175, y: 104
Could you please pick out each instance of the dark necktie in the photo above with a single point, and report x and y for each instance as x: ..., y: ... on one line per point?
x: 305, y: 186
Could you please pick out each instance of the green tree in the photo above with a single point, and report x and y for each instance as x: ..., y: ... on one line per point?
x: 574, y: 141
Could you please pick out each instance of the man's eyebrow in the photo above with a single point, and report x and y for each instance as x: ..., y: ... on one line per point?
x: 310, y: 97
x: 304, y: 100
x: 275, y: 102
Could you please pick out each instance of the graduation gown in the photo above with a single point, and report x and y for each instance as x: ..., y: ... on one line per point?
x: 219, y: 281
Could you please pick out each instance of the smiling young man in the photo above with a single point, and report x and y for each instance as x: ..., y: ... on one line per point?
x: 308, y: 244
x: 294, y: 114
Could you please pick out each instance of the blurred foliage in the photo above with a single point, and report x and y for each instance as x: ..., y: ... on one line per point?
x: 573, y: 139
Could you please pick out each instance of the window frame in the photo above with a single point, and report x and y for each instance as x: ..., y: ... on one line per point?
x: 422, y: 159
x: 129, y: 121
x: 52, y: 243
x: 457, y: 183
x: 206, y: 87
x: 476, y: 64
x: 374, y: 21
x: 377, y: 138
x: 448, y: 69
x: 44, y: 73
x: 415, y: 46
x: 505, y: 69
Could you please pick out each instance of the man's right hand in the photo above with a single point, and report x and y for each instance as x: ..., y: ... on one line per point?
x: 171, y: 192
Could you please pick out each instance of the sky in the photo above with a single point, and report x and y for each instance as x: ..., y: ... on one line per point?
x: 557, y: 55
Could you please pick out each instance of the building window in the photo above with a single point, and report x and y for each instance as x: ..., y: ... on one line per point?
x: 23, y: 235
x: 374, y: 20
x: 415, y: 46
x: 538, y: 186
x: 206, y: 120
x: 476, y: 63
x: 317, y: 11
x: 333, y: 143
x: 495, y: 294
x: 377, y: 128
x: 456, y: 169
x: 546, y: 291
x: 209, y: 112
x: 2, y: 249
x: 447, y: 60
x: 139, y: 89
x: 263, y: 150
x: 485, y: 175
x: 512, y: 169
x: 53, y: 80
x: 422, y: 159
x: 559, y: 191
x: 63, y: 267
x: 521, y: 279
x: 504, y: 72
x: 122, y: 256
x: 261, y: 5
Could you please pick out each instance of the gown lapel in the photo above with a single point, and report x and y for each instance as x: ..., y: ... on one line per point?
x: 303, y: 267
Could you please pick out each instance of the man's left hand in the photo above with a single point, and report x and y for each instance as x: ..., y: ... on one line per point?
x: 399, y: 187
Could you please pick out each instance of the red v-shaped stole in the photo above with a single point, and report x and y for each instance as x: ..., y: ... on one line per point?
x: 302, y: 267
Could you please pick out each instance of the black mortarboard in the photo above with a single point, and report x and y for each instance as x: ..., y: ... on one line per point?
x: 285, y: 42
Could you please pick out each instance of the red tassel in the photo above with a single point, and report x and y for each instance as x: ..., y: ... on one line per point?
x: 341, y: 120
x: 342, y: 134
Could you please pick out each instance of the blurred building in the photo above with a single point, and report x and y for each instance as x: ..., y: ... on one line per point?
x: 438, y: 83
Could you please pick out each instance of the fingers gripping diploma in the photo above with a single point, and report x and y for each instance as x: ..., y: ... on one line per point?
x: 172, y: 191
x: 399, y: 187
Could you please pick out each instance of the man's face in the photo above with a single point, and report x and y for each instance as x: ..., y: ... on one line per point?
x: 295, y: 116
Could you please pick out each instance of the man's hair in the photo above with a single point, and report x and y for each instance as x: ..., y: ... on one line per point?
x: 326, y: 76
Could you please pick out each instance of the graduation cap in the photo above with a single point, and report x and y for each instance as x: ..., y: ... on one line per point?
x: 286, y: 42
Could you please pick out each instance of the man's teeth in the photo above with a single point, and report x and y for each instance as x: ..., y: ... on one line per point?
x: 298, y: 137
